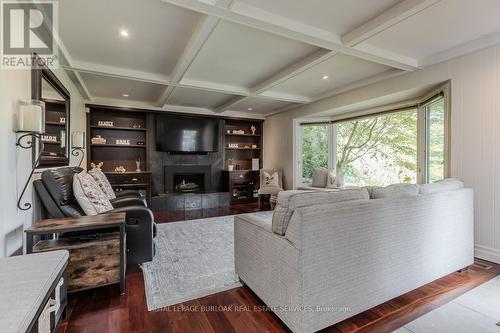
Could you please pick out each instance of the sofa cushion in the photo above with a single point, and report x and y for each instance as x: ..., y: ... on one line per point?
x: 393, y: 191
x: 449, y: 184
x: 319, y: 177
x: 288, y: 201
x: 89, y: 195
x: 103, y: 183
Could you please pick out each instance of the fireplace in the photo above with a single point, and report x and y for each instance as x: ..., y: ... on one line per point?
x: 188, y: 178
x: 189, y: 182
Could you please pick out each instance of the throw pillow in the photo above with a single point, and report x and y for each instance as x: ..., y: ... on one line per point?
x: 103, y: 183
x: 319, y: 177
x: 89, y: 195
x: 334, y: 180
x: 444, y: 185
x: 271, y: 180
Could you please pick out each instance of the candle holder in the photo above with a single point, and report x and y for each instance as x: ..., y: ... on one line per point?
x: 78, y: 152
x: 78, y: 145
x: 30, y: 138
x: 31, y: 125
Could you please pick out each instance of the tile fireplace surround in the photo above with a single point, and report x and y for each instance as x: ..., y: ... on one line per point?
x: 190, y: 201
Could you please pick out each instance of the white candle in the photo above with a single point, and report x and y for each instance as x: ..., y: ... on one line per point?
x: 78, y: 140
x: 31, y: 117
x: 63, y: 138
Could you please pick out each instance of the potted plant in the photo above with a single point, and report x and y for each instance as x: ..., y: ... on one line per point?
x: 230, y: 164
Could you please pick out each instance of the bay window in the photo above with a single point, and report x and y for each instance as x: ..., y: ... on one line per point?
x: 398, y: 146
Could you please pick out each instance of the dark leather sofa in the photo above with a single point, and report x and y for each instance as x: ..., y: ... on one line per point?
x: 55, y: 190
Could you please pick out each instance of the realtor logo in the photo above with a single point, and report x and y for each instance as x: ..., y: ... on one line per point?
x: 28, y: 28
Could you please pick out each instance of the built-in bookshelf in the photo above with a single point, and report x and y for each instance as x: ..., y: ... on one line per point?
x: 55, y: 128
x: 117, y: 138
x: 242, y: 144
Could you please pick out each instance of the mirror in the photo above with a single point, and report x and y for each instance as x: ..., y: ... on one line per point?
x: 46, y: 87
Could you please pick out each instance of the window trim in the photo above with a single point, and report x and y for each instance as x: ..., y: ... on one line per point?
x: 419, y: 104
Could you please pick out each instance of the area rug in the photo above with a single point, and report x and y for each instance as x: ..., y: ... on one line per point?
x: 193, y: 259
x: 477, y: 311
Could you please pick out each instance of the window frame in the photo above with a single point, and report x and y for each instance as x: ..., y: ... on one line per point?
x: 422, y: 130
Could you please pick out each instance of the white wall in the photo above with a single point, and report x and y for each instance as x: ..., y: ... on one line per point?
x: 15, y: 163
x: 475, y: 131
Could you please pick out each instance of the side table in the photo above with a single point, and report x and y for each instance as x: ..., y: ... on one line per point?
x: 92, y: 263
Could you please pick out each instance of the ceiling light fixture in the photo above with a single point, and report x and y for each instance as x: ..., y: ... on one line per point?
x: 250, y: 109
x: 325, y: 77
x: 124, y: 33
x: 125, y: 95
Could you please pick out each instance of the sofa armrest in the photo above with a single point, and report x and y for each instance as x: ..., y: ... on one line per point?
x: 139, y: 226
x: 127, y: 202
x: 269, y: 265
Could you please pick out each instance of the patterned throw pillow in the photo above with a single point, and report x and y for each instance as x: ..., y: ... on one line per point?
x: 334, y: 180
x: 271, y: 180
x: 103, y: 183
x: 89, y: 195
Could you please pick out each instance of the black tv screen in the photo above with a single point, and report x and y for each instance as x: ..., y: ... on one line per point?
x: 186, y: 134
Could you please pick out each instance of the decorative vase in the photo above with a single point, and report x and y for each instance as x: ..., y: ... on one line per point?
x: 230, y: 167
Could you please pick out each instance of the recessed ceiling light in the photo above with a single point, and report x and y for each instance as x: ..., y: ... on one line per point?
x: 250, y: 109
x: 124, y: 33
x: 125, y: 95
x: 325, y: 77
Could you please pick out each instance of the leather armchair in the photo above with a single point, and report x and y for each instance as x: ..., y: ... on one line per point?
x: 55, y: 190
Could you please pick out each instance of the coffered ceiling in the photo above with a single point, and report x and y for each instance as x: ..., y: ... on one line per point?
x: 257, y: 57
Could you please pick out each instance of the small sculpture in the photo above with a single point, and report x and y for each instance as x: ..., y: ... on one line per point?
x: 98, y: 140
x: 138, y: 164
x: 97, y: 166
x: 253, y: 129
x: 120, y: 169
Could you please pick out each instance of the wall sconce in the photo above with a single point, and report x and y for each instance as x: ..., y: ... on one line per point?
x: 31, y: 123
x: 78, y: 145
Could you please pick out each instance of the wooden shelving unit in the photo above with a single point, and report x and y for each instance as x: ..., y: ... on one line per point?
x: 242, y: 183
x: 54, y: 111
x: 127, y: 125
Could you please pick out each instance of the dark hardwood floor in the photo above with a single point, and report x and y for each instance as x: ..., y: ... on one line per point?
x: 104, y: 310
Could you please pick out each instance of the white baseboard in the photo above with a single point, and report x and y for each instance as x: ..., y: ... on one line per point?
x: 487, y: 253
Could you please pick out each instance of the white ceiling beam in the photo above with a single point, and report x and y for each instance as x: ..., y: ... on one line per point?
x: 226, y: 105
x: 329, y: 42
x: 294, y: 70
x: 279, y: 96
x: 399, y: 12
x: 117, y: 72
x: 213, y: 86
x: 63, y: 51
x: 79, y: 81
x: 200, y: 36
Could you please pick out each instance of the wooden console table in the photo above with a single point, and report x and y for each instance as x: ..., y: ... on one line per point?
x: 92, y: 263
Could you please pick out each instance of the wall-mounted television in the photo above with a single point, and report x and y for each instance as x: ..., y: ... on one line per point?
x: 182, y: 134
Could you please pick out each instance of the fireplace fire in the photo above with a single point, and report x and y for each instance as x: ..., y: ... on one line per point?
x: 189, y: 182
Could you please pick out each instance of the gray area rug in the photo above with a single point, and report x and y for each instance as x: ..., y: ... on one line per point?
x: 193, y: 259
x: 476, y: 311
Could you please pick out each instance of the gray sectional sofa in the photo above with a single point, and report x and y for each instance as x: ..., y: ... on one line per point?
x: 326, y: 256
